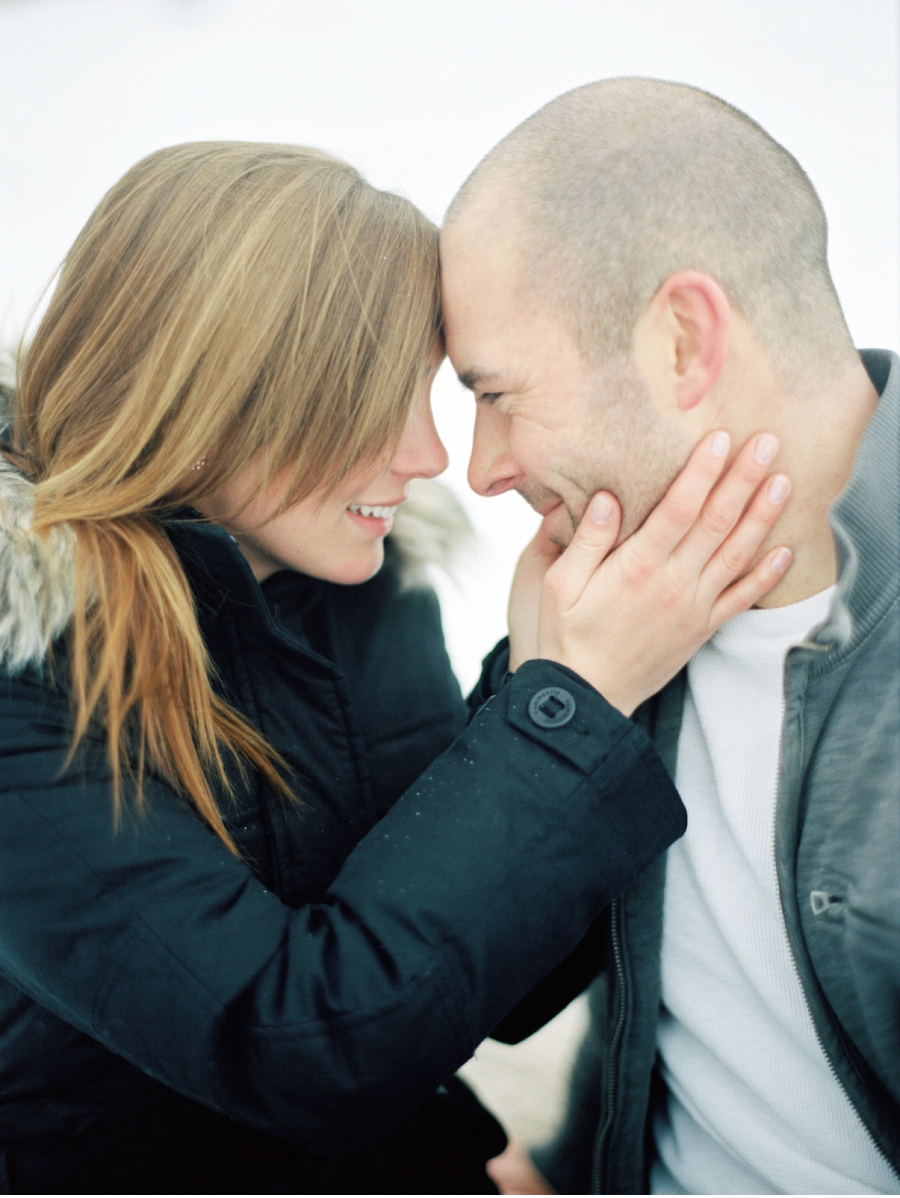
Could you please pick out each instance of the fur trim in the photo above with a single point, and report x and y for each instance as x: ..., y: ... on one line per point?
x: 430, y: 529
x: 37, y: 573
x: 8, y: 368
x: 7, y: 388
x: 37, y: 576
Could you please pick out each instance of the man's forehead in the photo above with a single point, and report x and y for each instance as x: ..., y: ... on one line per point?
x: 486, y: 308
x: 499, y: 346
x: 467, y: 263
x: 482, y: 323
x: 483, y: 211
x: 480, y: 240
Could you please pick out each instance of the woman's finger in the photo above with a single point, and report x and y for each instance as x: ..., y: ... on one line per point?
x: 737, y: 552
x: 726, y: 502
x: 541, y: 549
x: 594, y: 537
x: 748, y: 590
x: 525, y: 597
x: 675, y: 514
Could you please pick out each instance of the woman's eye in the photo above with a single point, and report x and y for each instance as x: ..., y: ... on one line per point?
x: 490, y: 396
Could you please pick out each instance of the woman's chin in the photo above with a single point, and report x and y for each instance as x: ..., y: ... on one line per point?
x: 356, y: 569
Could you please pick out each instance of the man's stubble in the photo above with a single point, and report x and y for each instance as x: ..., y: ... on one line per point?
x: 625, y: 447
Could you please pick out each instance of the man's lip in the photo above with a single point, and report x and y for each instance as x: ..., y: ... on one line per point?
x: 544, y: 509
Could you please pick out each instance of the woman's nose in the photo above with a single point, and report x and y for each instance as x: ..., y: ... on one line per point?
x: 420, y: 451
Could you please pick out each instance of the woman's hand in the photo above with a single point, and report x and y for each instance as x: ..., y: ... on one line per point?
x: 525, y: 597
x: 628, y: 620
x: 514, y: 1173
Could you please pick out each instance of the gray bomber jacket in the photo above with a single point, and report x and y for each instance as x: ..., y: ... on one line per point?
x: 837, y: 853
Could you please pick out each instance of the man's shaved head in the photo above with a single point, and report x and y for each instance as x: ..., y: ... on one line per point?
x: 617, y: 185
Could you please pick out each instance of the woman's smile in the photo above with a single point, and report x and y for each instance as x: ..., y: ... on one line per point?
x: 375, y: 518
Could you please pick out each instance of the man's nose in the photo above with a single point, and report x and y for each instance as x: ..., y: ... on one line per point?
x: 492, y: 469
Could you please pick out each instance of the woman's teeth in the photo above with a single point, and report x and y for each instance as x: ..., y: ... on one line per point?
x: 363, y: 509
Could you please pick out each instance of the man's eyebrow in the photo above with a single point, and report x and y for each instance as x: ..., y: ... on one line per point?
x: 475, y: 378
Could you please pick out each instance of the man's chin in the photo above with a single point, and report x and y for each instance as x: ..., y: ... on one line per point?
x: 559, y: 526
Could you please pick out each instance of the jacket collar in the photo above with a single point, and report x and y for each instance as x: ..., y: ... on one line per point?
x: 865, y: 524
x: 864, y: 521
x: 37, y: 576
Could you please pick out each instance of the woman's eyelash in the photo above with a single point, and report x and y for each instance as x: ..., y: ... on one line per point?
x: 490, y: 396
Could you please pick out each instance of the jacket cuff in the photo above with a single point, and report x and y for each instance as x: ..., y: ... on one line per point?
x: 568, y: 716
x: 494, y: 671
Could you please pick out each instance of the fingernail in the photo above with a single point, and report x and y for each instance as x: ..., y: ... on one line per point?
x: 720, y: 443
x: 600, y: 509
x: 779, y: 488
x: 766, y: 447
x: 781, y: 560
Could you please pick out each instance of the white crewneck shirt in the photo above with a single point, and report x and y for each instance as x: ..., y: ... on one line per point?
x: 753, y: 1106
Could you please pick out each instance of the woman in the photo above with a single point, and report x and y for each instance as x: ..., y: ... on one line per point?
x: 227, y: 951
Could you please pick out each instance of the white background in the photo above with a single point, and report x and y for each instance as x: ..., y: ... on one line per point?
x: 414, y: 92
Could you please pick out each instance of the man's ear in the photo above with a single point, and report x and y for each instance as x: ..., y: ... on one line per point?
x: 681, y: 340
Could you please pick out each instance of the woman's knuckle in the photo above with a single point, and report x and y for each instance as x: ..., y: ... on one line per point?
x: 747, y: 470
x: 681, y: 510
x: 635, y: 571
x: 717, y: 521
x: 674, y: 593
x: 734, y: 557
x: 554, y: 584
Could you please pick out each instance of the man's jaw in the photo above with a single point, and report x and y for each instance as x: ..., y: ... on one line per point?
x: 558, y: 522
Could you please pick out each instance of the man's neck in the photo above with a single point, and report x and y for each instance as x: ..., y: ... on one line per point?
x: 819, y: 436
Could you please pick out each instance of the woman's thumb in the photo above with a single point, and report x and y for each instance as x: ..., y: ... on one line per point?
x: 594, y: 538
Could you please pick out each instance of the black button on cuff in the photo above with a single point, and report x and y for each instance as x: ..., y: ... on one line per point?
x: 551, y: 707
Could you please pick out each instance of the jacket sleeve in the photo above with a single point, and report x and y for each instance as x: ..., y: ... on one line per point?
x: 563, y: 984
x: 327, y: 1024
x: 494, y: 673
x: 572, y: 976
x: 566, y: 1161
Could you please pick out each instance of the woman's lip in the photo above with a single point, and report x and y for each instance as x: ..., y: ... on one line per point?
x: 379, y: 525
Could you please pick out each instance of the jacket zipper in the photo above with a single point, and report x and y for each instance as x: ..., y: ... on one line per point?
x: 811, y: 645
x: 613, y: 1048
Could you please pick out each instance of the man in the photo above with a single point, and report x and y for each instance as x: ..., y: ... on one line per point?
x: 634, y: 266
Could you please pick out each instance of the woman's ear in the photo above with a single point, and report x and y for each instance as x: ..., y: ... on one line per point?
x: 681, y: 340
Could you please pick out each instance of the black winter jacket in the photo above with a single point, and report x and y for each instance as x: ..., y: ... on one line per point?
x: 319, y: 989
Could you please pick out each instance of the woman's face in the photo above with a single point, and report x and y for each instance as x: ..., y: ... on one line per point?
x: 338, y: 537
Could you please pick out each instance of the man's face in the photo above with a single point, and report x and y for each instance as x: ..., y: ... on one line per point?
x: 548, y: 424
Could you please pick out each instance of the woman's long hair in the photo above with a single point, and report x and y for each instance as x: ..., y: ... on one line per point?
x: 224, y: 299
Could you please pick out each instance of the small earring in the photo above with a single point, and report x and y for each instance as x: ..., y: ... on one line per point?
x: 199, y: 464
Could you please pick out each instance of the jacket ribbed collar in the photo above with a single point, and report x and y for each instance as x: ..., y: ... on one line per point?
x: 865, y: 521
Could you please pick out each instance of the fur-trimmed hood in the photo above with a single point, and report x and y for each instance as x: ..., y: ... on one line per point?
x: 37, y: 576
